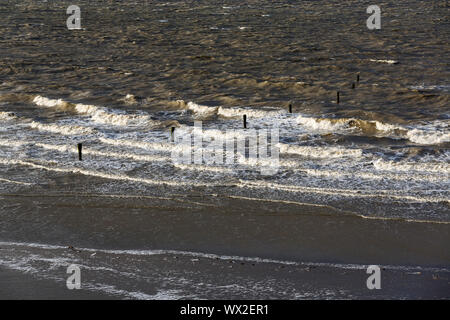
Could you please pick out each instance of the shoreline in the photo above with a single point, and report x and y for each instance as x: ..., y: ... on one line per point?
x: 18, y: 285
x: 154, y: 249
x: 299, y: 282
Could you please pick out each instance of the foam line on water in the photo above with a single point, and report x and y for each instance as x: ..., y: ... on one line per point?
x: 387, y: 61
x: 16, y: 182
x: 393, y: 194
x: 346, y: 212
x: 151, y: 158
x: 213, y: 256
x: 105, y: 175
x: 438, y: 168
x: 384, y: 169
x: 88, y: 151
x: 62, y: 129
x: 430, y: 134
x: 199, y: 167
x: 156, y: 146
x: 320, y: 152
x: 380, y: 175
x: 109, y: 154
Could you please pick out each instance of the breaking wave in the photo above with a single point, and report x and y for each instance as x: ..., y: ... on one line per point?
x: 434, y: 133
x: 99, y: 115
x: 231, y: 112
x: 62, y: 129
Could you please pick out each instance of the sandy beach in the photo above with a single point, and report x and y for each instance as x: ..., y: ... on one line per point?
x: 270, y: 252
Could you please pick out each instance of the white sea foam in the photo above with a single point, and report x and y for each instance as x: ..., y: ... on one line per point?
x: 199, y: 167
x: 6, y: 116
x: 232, y: 112
x: 355, y: 174
x: 344, y: 124
x: 47, y: 102
x: 105, y: 154
x: 251, y: 113
x: 151, y: 146
x: 338, y: 192
x: 201, y: 110
x: 105, y: 175
x: 428, y: 137
x: 114, y: 117
x: 16, y: 182
x: 320, y: 152
x: 100, y: 115
x: 380, y: 126
x: 429, y: 134
x: 224, y: 135
x: 321, y: 124
x: 33, y: 263
x: 61, y: 128
x: 135, y: 295
x: 436, y: 167
x: 432, y: 133
x: 388, y: 61
x: 438, y: 87
x: 12, y: 143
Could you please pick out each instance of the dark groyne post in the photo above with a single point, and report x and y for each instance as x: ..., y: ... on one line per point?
x: 337, y: 97
x: 357, y: 78
x: 172, y: 131
x: 290, y: 108
x: 80, y: 150
x: 353, y: 85
x: 245, y: 121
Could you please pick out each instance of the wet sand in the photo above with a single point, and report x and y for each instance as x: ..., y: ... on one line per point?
x: 223, y: 226
x: 266, y: 252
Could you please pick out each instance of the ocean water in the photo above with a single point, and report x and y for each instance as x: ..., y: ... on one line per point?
x: 138, y: 68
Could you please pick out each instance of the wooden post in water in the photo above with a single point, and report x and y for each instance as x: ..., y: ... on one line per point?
x: 357, y: 78
x: 245, y: 121
x: 80, y: 150
x: 172, y: 131
x: 290, y: 108
x: 353, y: 85
x: 337, y: 97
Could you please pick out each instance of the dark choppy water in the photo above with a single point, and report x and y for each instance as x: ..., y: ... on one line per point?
x: 138, y: 68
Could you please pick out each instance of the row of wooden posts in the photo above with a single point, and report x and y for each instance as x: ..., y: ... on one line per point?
x: 172, y: 130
